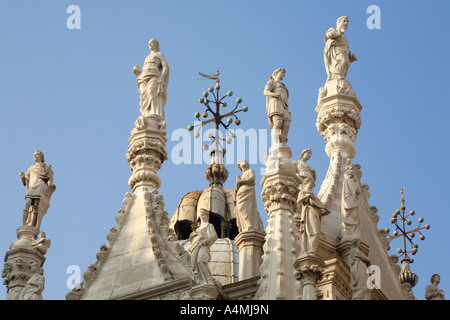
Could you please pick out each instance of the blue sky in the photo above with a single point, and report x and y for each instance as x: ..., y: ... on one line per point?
x: 72, y: 94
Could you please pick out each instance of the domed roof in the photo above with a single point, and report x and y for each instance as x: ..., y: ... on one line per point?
x: 218, y: 202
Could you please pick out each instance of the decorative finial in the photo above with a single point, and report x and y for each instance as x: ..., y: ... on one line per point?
x: 401, y: 222
x: 217, y: 117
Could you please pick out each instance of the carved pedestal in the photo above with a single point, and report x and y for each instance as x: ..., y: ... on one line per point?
x: 18, y: 269
x: 146, y: 153
x: 309, y: 272
x: 339, y: 118
x: 250, y: 244
x: 280, y: 190
x: 26, y: 235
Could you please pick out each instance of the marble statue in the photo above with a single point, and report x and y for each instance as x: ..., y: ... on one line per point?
x: 35, y: 285
x: 277, y: 107
x: 201, y: 241
x: 350, y: 205
x: 310, y: 207
x: 39, y: 183
x: 432, y: 292
x: 247, y: 216
x: 337, y: 55
x: 152, y: 82
x: 358, y: 269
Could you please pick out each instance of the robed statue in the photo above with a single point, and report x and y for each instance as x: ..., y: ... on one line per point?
x: 152, y: 82
x: 201, y: 241
x: 337, y: 55
x: 310, y: 209
x: 247, y: 216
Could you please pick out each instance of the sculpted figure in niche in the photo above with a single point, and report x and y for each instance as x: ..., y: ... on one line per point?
x: 38, y: 179
x: 432, y: 292
x: 350, y: 205
x: 358, y: 269
x: 310, y: 207
x: 337, y: 55
x: 277, y: 107
x: 152, y: 82
x: 35, y: 285
x: 247, y: 216
x: 201, y: 240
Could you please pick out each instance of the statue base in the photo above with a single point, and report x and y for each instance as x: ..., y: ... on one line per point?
x: 26, y: 235
x: 279, y: 159
x: 250, y: 244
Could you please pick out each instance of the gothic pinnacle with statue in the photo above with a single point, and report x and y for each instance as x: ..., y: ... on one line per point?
x: 23, y: 272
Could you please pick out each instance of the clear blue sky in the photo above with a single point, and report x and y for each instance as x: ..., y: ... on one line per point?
x: 72, y: 94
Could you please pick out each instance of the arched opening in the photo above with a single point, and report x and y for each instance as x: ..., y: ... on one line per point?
x: 234, y: 231
x: 183, y: 229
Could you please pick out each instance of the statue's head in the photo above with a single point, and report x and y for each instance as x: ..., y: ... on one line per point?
x: 356, y: 242
x: 435, y: 278
x: 342, y: 23
x: 279, y: 73
x: 204, y: 215
x: 349, y: 173
x: 153, y: 44
x: 38, y: 156
x: 243, y: 165
x: 35, y: 267
x: 306, y: 154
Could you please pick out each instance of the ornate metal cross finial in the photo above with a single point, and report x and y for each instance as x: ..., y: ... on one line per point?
x: 215, y: 112
x: 400, y: 221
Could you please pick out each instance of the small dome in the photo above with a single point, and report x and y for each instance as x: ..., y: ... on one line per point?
x: 218, y: 202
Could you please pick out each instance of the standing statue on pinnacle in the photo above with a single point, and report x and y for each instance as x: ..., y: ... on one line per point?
x: 152, y: 82
x: 277, y: 106
x: 337, y: 55
x: 40, y: 187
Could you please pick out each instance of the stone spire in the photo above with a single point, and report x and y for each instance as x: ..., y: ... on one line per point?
x: 23, y: 272
x: 280, y: 190
x: 350, y: 229
x: 140, y: 255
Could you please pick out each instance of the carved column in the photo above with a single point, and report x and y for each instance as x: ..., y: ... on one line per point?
x: 309, y: 272
x: 339, y: 117
x: 146, y: 153
x: 338, y: 121
x: 280, y: 190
